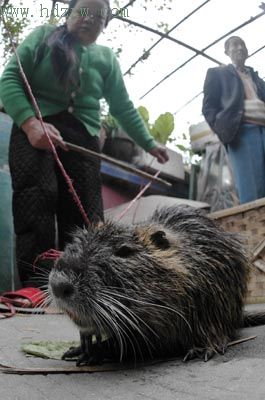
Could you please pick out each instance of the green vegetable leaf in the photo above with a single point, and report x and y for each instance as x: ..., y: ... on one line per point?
x: 46, y: 349
x: 163, y: 127
x: 144, y: 113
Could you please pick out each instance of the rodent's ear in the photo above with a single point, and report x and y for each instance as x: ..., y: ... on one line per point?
x: 125, y: 250
x: 159, y: 239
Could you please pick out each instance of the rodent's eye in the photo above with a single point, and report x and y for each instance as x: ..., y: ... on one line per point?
x: 125, y: 250
x: 160, y: 240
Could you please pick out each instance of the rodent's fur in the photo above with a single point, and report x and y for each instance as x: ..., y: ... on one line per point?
x: 174, y: 284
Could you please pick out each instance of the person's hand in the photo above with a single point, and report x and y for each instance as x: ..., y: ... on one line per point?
x: 37, y: 138
x: 160, y: 153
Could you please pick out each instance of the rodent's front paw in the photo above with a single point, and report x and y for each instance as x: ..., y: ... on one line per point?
x: 88, y: 360
x: 73, y: 352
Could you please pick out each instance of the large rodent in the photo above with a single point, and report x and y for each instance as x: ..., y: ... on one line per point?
x: 172, y: 285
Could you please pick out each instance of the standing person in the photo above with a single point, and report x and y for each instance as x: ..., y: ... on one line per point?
x: 234, y: 107
x: 68, y: 74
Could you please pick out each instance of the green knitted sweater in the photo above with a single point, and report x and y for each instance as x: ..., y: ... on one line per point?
x: 99, y: 76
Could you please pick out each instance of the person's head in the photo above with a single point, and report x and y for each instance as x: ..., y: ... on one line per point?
x: 87, y: 18
x: 85, y: 21
x: 236, y: 50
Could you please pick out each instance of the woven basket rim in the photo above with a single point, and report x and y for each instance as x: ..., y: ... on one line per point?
x: 238, y: 209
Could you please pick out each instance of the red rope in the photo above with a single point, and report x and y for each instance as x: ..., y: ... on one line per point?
x: 51, y: 254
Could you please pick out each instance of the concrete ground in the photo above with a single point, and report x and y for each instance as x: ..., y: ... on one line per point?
x: 238, y: 375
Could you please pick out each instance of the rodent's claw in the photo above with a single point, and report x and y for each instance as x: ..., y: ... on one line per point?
x: 208, y: 354
x: 190, y: 355
x: 84, y: 354
x: 87, y: 360
x: 203, y: 353
x: 72, y: 352
x: 84, y: 350
x: 222, y: 349
x: 89, y: 353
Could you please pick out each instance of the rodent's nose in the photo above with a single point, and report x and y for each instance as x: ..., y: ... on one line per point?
x: 62, y: 289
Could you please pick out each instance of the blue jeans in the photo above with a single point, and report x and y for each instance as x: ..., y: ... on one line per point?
x: 247, y: 157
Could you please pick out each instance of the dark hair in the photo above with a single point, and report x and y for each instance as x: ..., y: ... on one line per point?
x: 61, y: 42
x: 230, y: 39
x: 72, y: 4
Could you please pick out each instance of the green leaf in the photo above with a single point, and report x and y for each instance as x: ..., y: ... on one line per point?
x: 51, y: 349
x: 163, y: 127
x: 144, y: 113
x: 46, y: 349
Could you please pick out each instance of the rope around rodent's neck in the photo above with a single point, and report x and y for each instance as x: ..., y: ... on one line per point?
x: 39, y: 116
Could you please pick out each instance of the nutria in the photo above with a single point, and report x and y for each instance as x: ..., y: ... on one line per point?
x: 172, y: 285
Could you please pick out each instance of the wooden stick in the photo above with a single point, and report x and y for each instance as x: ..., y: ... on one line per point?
x: 120, y: 164
x: 77, y: 370
x: 241, y: 340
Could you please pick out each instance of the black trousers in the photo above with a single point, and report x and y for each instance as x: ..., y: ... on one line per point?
x: 40, y: 193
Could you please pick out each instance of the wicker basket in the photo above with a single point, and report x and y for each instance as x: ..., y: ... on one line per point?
x: 249, y: 220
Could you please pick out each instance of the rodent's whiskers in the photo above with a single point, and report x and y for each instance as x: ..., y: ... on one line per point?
x: 115, y: 307
x: 130, y: 312
x: 134, y: 316
x: 147, y: 303
x: 47, y: 299
x: 32, y: 268
x: 41, y: 275
x: 123, y: 330
x: 114, y: 327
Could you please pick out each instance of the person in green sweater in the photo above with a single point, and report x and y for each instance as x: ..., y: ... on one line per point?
x: 68, y: 74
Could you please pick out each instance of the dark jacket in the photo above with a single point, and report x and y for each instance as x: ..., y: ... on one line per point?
x: 223, y: 102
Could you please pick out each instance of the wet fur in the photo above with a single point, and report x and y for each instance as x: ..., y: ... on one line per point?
x: 172, y: 285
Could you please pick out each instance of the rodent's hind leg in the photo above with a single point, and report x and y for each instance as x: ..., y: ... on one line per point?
x: 204, y: 353
x: 197, y: 352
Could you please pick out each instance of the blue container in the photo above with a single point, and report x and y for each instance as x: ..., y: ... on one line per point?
x: 7, y: 280
x: 5, y: 130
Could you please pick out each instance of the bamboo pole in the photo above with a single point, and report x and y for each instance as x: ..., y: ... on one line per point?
x: 120, y: 164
